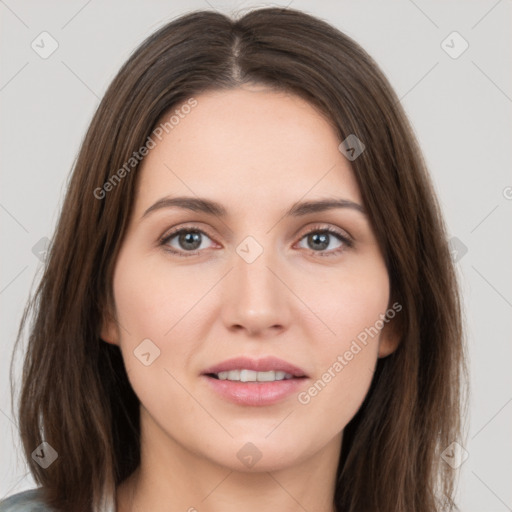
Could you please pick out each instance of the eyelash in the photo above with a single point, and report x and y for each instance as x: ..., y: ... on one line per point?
x: 347, y: 242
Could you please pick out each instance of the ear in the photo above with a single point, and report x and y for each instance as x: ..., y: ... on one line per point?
x: 109, y: 331
x: 389, y: 337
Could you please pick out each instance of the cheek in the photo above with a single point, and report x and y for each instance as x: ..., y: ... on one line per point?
x: 346, y: 303
x: 151, y: 299
x: 152, y: 304
x: 346, y: 340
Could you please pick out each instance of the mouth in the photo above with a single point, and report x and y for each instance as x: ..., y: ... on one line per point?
x: 255, y: 382
x: 245, y: 369
x: 244, y: 375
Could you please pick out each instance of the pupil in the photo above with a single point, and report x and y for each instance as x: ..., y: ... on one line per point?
x: 191, y: 238
x: 321, y: 239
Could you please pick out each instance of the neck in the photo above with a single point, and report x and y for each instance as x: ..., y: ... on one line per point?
x: 170, y: 477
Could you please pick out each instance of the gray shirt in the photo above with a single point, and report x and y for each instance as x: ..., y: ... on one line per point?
x: 25, y: 501
x: 31, y: 501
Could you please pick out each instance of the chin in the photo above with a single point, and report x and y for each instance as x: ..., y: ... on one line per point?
x: 253, y: 454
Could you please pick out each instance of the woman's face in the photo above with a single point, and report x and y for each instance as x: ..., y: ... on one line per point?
x: 257, y: 277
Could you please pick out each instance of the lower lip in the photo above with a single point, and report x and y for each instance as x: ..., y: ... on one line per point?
x: 255, y: 393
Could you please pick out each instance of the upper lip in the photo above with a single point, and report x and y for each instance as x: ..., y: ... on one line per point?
x: 264, y: 364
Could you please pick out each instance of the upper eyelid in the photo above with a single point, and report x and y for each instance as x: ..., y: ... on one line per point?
x: 173, y: 232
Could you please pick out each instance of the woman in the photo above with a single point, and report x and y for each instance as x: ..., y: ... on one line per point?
x: 249, y: 301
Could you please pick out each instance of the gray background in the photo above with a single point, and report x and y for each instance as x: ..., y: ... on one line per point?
x: 459, y: 107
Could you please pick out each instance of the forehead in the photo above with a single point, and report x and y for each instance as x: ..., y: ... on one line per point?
x: 248, y: 143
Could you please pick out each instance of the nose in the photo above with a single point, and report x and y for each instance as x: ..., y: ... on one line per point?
x: 255, y: 297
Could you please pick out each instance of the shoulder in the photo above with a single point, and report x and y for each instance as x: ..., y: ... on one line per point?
x: 25, y: 501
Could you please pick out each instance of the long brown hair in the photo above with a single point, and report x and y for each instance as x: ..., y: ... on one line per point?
x: 75, y: 392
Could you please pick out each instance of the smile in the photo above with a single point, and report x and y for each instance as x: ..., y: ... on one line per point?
x: 244, y: 375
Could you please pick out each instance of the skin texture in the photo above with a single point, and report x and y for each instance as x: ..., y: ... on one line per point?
x: 257, y: 152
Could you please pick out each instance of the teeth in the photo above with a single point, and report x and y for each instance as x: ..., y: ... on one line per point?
x: 267, y: 376
x: 252, y: 376
x: 248, y: 376
x: 232, y: 375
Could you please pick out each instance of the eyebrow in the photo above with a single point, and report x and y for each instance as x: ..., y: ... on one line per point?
x: 197, y: 204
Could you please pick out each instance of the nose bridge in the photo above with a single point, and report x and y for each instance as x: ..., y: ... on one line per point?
x: 254, y: 276
x: 256, y: 298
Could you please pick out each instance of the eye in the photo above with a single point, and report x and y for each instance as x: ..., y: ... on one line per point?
x: 188, y: 240
x: 318, y: 241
